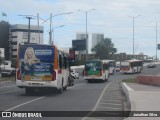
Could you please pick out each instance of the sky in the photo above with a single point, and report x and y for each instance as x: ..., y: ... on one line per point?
x: 110, y: 17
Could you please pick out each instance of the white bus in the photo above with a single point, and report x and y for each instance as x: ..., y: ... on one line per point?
x: 41, y: 66
x: 131, y: 66
x: 111, y: 66
x: 96, y: 70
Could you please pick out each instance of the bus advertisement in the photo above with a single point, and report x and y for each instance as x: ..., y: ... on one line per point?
x: 41, y: 66
x: 95, y: 70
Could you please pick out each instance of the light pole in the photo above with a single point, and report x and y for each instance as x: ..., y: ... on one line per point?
x: 53, y: 32
x: 133, y: 17
x: 29, y: 19
x: 50, y: 18
x: 156, y: 37
x: 86, y: 12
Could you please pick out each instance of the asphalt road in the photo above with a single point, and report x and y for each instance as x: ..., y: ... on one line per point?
x: 83, y: 96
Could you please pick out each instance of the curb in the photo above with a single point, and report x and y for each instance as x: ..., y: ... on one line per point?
x: 129, y: 92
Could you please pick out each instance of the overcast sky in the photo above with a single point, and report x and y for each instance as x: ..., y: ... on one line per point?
x: 110, y: 18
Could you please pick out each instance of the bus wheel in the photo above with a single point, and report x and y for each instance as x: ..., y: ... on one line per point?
x: 65, y: 88
x: 89, y: 81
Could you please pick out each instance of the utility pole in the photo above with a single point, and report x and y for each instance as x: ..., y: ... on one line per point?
x: 29, y: 19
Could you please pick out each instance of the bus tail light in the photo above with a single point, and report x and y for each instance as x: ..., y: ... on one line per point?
x: 18, y: 74
x: 59, y: 71
x: 54, y: 75
x: 101, y: 73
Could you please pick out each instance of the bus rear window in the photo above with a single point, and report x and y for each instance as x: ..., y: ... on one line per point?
x: 93, y: 66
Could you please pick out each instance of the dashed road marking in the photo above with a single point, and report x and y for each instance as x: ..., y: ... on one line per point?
x: 24, y: 103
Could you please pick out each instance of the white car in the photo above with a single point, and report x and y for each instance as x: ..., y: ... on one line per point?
x: 74, y: 74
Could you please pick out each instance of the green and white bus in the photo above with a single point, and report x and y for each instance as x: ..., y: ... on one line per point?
x: 96, y: 70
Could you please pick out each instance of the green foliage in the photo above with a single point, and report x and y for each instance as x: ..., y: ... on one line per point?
x: 104, y: 48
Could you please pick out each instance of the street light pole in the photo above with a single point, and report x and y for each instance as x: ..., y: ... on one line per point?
x: 53, y: 32
x: 133, y: 28
x: 86, y: 12
x: 29, y: 19
x: 51, y: 16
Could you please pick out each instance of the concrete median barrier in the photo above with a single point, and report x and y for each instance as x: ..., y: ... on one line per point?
x: 149, y: 79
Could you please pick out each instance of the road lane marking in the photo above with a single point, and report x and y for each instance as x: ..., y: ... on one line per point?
x: 110, y: 108
x: 100, y: 98
x: 8, y: 92
x: 31, y: 100
x: 110, y: 104
x: 95, y: 107
x: 25, y: 103
x: 112, y: 100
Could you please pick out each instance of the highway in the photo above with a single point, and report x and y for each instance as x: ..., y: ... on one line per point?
x: 83, y: 96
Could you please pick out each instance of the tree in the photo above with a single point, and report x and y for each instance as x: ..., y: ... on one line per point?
x: 104, y: 48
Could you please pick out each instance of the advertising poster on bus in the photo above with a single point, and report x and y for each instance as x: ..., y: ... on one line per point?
x: 36, y: 62
x: 92, y: 67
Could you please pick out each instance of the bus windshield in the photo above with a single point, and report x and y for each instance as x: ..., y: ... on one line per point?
x: 93, y: 67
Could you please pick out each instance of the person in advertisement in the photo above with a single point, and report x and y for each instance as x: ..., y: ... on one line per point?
x: 28, y: 61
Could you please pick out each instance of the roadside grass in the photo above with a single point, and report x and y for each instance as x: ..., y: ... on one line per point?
x: 130, y: 80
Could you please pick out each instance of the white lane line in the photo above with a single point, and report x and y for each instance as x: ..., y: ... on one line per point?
x: 111, y: 100
x: 25, y: 103
x: 7, y: 86
x: 110, y: 108
x: 110, y: 104
x: 8, y: 92
x: 95, y: 107
x: 100, y: 98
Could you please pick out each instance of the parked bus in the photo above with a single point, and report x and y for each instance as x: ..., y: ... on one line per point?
x: 41, y: 66
x: 96, y: 70
x: 131, y: 66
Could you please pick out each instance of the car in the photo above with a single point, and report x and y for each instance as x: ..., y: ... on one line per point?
x: 6, y: 73
x: 151, y: 65
x: 74, y: 74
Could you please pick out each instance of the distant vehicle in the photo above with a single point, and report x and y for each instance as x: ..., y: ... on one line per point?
x: 6, y: 73
x: 96, y: 70
x: 117, y: 68
x: 74, y: 74
x: 151, y: 65
x: 70, y: 80
x: 111, y: 65
x: 131, y: 66
x: 42, y: 66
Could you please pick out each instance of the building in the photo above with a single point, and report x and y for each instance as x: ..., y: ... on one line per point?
x: 82, y: 36
x: 4, y: 39
x: 19, y: 35
x: 96, y: 38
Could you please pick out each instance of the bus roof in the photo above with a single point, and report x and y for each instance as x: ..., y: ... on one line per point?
x: 134, y: 60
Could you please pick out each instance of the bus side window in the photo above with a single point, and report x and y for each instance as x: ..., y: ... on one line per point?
x: 60, y: 61
x: 65, y: 63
